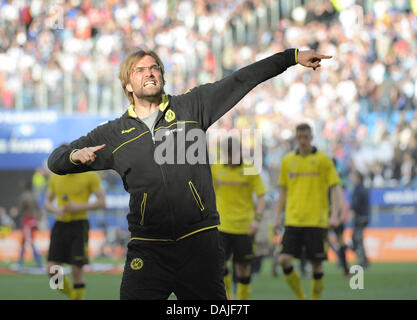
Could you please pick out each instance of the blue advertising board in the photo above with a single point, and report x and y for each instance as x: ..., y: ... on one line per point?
x: 390, y: 197
x: 393, y: 197
x: 28, y: 137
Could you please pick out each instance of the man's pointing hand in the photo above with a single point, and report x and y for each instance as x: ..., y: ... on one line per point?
x: 311, y: 59
x: 86, y: 154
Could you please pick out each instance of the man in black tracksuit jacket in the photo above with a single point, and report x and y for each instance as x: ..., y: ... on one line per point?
x: 173, y: 217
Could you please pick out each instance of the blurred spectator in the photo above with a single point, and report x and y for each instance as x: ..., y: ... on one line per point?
x: 360, y: 209
x: 39, y: 181
x: 14, y: 215
x: 30, y: 214
x: 413, y: 183
x: 407, y: 169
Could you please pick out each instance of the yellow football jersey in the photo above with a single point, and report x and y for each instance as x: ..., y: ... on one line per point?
x: 307, y: 179
x: 76, y: 188
x: 234, y: 196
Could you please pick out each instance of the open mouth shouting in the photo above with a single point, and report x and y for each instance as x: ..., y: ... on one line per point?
x: 149, y: 83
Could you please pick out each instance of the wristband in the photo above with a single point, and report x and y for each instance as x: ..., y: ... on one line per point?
x: 74, y: 163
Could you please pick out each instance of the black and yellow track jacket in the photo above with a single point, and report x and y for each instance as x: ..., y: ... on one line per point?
x: 168, y: 201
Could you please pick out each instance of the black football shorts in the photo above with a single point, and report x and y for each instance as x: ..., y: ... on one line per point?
x: 191, y: 268
x: 69, y: 242
x: 240, y: 246
x: 314, y: 240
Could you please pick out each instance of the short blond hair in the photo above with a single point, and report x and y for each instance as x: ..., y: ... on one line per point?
x: 303, y: 127
x: 127, y: 66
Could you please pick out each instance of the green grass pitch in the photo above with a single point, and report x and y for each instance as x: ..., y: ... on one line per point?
x: 382, y: 281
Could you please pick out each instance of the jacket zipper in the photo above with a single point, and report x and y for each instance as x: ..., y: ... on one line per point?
x: 196, y: 196
x: 143, y: 208
x: 163, y: 177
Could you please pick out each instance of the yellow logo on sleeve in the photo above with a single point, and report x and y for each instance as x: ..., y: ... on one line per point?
x: 136, y: 264
x: 169, y: 116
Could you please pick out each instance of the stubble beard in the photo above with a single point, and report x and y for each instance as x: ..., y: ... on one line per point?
x: 149, y: 95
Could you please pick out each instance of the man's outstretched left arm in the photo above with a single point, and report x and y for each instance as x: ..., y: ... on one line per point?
x: 213, y: 100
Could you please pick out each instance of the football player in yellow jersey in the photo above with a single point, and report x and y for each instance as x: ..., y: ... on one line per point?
x: 239, y: 218
x: 305, y: 178
x: 69, y: 235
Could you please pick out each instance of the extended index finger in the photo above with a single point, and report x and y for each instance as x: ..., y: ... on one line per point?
x: 321, y: 56
x: 96, y: 148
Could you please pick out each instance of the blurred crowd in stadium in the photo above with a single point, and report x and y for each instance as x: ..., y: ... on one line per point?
x: 361, y: 104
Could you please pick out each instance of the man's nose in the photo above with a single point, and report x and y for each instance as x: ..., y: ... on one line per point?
x: 148, y: 72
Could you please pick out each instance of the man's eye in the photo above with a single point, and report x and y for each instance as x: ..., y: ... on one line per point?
x: 155, y: 68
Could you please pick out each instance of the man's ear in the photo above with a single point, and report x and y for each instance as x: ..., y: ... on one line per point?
x: 129, y: 87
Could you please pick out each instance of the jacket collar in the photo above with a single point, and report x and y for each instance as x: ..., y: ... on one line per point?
x: 162, y: 106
